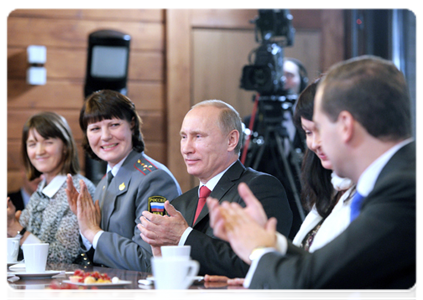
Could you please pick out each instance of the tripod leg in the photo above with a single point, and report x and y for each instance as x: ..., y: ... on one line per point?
x: 290, y: 176
x: 261, y: 150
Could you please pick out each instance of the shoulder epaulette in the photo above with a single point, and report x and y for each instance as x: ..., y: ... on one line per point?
x: 145, y: 166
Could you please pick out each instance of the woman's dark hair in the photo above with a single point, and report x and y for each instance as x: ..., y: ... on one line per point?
x: 50, y: 125
x: 106, y: 105
x: 316, y: 182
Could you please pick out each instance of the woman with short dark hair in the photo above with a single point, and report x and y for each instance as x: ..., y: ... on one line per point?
x: 134, y: 183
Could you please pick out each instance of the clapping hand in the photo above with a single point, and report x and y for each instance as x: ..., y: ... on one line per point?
x: 244, y: 228
x: 160, y: 230
x: 72, y: 194
x: 12, y: 219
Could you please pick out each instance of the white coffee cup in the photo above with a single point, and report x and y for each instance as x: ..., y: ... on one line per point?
x: 35, y: 256
x: 174, y: 273
x: 176, y: 251
x: 12, y: 249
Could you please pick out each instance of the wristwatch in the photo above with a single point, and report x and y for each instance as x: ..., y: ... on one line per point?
x: 22, y: 232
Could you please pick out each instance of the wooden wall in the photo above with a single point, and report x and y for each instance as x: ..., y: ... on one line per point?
x: 183, y: 75
x: 65, y: 34
x: 161, y: 66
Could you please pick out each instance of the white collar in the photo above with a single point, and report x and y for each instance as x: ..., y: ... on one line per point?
x: 51, y: 189
x: 116, y: 167
x: 213, y: 182
x: 340, y: 183
x: 367, y: 179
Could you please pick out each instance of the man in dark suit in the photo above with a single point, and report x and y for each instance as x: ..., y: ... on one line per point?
x: 362, y: 112
x: 21, y: 197
x: 210, y: 145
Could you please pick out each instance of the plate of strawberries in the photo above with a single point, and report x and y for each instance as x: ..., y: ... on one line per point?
x: 83, y: 278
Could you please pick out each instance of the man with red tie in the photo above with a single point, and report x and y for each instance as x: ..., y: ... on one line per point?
x: 210, y: 145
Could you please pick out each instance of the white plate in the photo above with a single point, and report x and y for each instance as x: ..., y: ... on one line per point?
x: 36, y: 275
x: 12, y: 263
x: 18, y: 266
x: 98, y: 296
x: 121, y: 282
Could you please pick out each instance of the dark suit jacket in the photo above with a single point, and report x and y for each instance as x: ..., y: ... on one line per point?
x: 17, y: 200
x: 377, y: 250
x: 215, y: 256
x: 122, y: 203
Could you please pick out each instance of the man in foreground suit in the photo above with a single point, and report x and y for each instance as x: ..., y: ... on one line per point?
x: 210, y: 145
x: 362, y: 112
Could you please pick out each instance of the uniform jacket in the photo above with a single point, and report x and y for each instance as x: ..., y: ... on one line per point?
x: 214, y: 255
x: 377, y: 250
x: 122, y: 204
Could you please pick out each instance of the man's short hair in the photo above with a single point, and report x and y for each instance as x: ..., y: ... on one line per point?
x: 229, y: 119
x: 374, y: 91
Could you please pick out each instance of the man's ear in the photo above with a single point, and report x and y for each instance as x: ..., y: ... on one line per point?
x: 233, y: 139
x: 346, y: 125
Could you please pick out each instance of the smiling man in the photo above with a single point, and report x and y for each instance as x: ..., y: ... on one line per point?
x: 210, y: 146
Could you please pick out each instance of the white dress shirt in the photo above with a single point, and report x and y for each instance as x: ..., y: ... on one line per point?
x: 210, y: 185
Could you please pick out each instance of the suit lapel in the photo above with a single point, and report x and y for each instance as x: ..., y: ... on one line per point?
x: 405, y: 157
x: 227, y: 182
x: 118, y: 186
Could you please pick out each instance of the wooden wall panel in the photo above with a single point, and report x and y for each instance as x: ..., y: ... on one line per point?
x: 178, y: 102
x: 128, y: 15
x: 218, y: 76
x: 240, y: 19
x: 321, y: 23
x: 63, y: 63
x: 70, y: 94
x: 65, y: 34
x: 74, y: 33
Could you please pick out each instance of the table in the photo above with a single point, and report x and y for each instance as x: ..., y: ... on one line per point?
x: 31, y: 288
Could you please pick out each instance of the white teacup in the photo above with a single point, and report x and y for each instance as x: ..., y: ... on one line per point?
x: 35, y: 256
x: 12, y: 249
x: 174, y: 273
x: 176, y: 251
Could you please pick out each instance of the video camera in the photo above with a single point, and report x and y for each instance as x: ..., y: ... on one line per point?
x: 274, y: 31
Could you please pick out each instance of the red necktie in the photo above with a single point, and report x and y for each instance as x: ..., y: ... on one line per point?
x: 204, y: 193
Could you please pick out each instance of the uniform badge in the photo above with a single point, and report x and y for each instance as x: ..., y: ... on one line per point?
x: 156, y: 205
x: 122, y: 186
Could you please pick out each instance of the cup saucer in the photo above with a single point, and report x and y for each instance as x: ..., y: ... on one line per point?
x: 11, y: 263
x: 36, y: 274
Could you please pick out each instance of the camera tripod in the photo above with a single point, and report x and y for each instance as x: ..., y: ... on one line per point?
x: 275, y: 132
